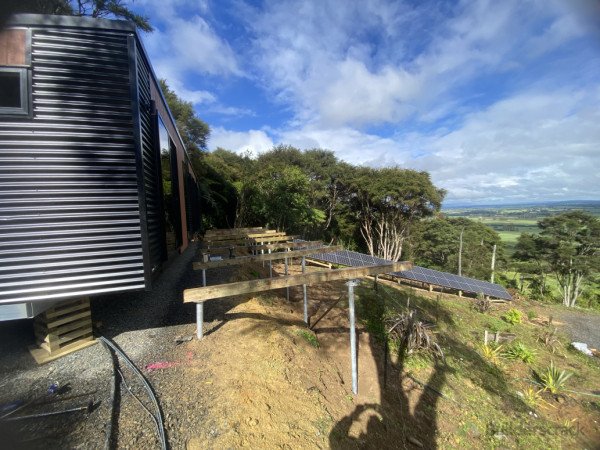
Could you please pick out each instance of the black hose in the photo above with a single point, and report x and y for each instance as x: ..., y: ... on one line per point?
x: 151, y: 394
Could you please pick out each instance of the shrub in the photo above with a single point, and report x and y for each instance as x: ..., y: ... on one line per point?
x: 521, y: 352
x: 491, y: 353
x: 531, y: 315
x: 513, y: 316
x: 482, y: 304
x: 552, y: 379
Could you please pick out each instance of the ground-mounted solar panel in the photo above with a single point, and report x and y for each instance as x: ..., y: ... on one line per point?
x: 417, y: 273
x: 444, y: 279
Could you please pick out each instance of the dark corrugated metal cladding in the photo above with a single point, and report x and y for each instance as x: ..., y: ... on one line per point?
x: 69, y: 205
x: 151, y: 166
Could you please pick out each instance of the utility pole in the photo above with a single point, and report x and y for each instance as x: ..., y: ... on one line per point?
x: 493, y: 263
x: 460, y: 252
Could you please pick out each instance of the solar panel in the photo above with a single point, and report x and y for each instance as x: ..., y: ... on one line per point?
x: 417, y: 273
x: 444, y: 279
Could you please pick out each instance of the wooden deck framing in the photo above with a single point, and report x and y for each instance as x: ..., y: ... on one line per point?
x: 274, y: 246
x: 237, y: 261
x: 249, y: 242
x: 202, y: 294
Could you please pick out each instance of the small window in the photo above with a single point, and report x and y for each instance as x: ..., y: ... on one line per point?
x: 13, y: 91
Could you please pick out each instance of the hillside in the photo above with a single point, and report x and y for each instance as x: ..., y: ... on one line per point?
x: 260, y: 379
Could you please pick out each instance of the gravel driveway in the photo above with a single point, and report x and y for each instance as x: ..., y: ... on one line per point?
x: 145, y: 326
x: 582, y: 326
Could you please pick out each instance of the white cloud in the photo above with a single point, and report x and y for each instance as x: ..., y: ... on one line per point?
x: 255, y: 141
x: 186, y: 46
x: 321, y: 60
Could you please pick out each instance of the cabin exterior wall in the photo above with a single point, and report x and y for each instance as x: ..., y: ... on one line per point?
x: 80, y: 186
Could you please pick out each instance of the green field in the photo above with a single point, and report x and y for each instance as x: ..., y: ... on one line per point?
x: 511, y: 221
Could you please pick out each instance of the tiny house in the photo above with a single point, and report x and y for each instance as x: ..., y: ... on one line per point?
x: 97, y: 190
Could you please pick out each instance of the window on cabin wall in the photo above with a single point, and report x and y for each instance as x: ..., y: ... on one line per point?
x: 170, y: 188
x: 15, y: 61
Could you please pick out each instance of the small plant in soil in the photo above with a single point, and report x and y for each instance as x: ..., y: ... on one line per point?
x: 482, y: 304
x: 550, y: 340
x: 553, y: 379
x: 411, y: 334
x: 513, y: 316
x: 521, y: 352
x: 532, y: 397
x: 491, y: 353
x: 531, y: 315
x: 309, y: 337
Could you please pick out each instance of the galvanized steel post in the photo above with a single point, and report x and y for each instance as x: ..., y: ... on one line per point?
x: 287, y: 289
x: 304, y: 292
x: 200, y: 306
x: 353, y: 355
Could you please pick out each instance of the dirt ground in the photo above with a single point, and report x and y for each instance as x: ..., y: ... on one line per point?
x: 258, y: 379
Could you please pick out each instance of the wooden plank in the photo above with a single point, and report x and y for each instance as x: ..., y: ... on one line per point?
x: 246, y: 235
x: 249, y: 242
x: 43, y: 329
x: 69, y: 319
x: 237, y: 261
x: 68, y: 336
x: 41, y: 356
x: 221, y: 231
x: 244, y: 287
x: 275, y: 246
x: 66, y: 309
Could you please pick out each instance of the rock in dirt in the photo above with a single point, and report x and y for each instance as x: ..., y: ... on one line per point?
x: 415, y: 441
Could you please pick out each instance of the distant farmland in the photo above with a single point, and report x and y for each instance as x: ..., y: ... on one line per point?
x: 512, y: 220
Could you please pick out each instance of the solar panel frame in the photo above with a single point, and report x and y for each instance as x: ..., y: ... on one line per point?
x: 417, y: 273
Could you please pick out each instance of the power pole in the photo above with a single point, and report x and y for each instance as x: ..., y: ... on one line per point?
x: 493, y: 263
x: 460, y: 252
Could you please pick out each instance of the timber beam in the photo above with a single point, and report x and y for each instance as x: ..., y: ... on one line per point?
x: 238, y: 261
x: 230, y: 231
x: 201, y: 294
x: 275, y: 246
x: 249, y: 242
x: 239, y: 236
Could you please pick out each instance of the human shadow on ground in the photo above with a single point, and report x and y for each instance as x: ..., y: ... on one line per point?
x: 401, y: 420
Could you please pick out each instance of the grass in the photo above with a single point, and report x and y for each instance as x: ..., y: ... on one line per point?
x: 309, y: 337
x: 485, y: 380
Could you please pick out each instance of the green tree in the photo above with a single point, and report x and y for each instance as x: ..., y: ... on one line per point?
x: 387, y: 202
x: 280, y: 198
x: 435, y: 244
x: 114, y: 9
x: 571, y: 246
x: 529, y: 257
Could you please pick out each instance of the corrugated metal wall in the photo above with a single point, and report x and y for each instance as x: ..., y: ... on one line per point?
x: 69, y: 215
x: 151, y: 168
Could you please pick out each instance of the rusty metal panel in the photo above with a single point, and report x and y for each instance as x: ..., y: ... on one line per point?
x: 69, y: 201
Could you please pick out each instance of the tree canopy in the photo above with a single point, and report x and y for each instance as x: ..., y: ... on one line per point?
x: 116, y: 9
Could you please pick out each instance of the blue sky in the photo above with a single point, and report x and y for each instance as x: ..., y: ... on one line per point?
x: 499, y: 101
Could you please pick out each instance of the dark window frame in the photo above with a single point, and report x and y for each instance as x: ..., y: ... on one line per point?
x: 24, y: 87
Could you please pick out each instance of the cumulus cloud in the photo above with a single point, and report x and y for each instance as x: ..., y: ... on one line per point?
x: 254, y: 141
x: 493, y: 98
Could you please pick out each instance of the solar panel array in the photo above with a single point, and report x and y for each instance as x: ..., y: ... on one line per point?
x: 350, y: 258
x: 444, y: 279
x: 417, y: 273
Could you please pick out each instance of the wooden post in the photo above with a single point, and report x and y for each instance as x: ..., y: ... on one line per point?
x: 485, y: 337
x: 431, y: 288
